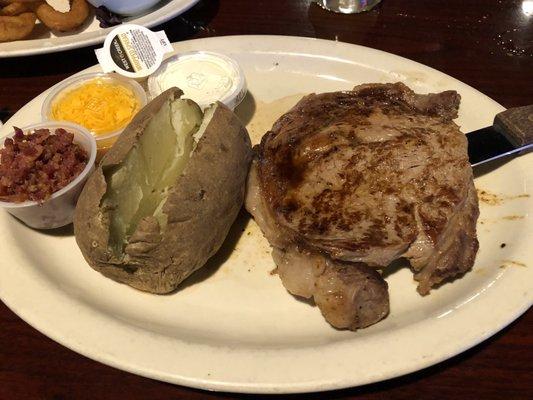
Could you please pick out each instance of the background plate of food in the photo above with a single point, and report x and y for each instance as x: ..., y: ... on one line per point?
x: 37, y: 27
x: 232, y: 326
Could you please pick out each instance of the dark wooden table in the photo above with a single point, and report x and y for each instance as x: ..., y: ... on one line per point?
x: 487, y: 44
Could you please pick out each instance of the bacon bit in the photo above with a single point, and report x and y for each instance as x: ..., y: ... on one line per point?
x: 34, y: 166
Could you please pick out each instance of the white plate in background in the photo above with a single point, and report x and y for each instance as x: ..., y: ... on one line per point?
x: 44, y: 41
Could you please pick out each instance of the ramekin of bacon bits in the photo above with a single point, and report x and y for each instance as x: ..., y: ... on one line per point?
x: 43, y: 168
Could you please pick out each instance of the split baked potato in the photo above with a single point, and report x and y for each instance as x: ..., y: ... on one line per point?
x: 164, y: 197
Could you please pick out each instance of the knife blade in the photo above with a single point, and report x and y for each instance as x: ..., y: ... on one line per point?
x: 510, y: 134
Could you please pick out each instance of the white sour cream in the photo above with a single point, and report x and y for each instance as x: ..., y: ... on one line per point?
x: 204, y: 77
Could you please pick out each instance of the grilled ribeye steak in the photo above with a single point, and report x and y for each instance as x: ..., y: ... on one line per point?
x: 367, y: 176
x: 349, y: 295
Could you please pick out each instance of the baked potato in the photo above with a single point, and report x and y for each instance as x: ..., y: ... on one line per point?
x: 164, y: 197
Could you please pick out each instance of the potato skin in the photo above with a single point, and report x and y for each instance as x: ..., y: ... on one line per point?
x: 201, y: 206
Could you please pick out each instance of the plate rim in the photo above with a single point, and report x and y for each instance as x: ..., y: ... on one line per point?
x: 278, y: 388
x: 175, y: 10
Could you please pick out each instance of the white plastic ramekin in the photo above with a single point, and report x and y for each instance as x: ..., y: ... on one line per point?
x: 103, y: 140
x: 203, y: 76
x: 58, y: 210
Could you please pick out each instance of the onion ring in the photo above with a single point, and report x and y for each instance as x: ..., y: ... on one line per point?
x: 16, y: 27
x: 58, y: 21
x: 15, y: 8
x: 7, y: 2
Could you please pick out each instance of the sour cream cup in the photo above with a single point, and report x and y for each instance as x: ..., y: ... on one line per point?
x: 58, y: 210
x: 103, y: 140
x: 204, y: 77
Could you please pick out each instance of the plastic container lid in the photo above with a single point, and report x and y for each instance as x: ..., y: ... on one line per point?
x: 204, y: 77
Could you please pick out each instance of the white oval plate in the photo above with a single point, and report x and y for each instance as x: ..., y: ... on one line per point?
x: 44, y: 41
x: 233, y: 327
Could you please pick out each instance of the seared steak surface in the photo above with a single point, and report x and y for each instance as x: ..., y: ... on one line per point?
x: 349, y: 295
x: 367, y: 176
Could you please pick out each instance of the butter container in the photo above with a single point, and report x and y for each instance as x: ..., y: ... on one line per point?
x: 133, y: 51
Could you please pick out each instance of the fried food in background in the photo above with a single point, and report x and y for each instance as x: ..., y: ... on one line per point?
x: 18, y: 17
x: 63, y: 22
x: 16, y: 8
x: 16, y: 27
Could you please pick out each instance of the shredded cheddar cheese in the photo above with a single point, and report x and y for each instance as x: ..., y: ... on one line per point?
x: 100, y: 106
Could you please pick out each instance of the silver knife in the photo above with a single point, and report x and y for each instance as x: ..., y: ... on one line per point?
x: 510, y: 134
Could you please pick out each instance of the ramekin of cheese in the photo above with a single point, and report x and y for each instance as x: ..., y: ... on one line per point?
x: 103, y: 103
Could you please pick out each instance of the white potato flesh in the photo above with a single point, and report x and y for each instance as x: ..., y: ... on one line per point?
x: 139, y: 186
